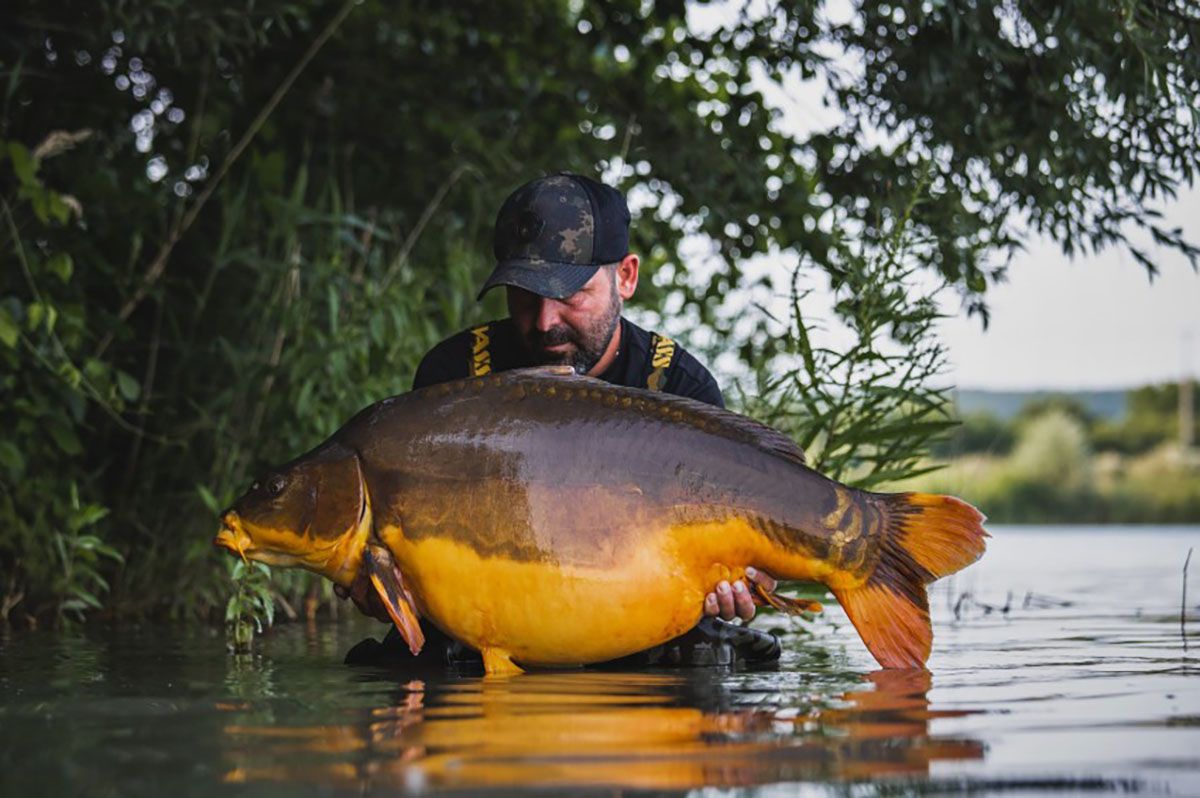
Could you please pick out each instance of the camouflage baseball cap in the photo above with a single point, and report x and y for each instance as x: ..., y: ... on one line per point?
x: 554, y: 232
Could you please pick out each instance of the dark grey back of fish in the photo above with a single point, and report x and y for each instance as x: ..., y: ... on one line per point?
x: 566, y: 468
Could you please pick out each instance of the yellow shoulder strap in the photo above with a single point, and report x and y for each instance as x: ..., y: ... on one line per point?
x: 662, y: 352
x: 481, y: 355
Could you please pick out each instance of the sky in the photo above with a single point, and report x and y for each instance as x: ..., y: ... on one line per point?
x: 1091, y: 322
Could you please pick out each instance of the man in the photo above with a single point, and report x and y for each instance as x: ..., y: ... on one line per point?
x: 562, y: 253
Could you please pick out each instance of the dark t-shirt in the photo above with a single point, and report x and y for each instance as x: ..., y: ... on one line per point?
x: 644, y: 360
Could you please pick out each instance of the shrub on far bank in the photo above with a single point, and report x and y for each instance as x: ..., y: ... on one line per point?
x: 1052, y: 476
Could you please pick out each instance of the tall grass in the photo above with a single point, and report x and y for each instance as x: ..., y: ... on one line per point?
x: 301, y: 310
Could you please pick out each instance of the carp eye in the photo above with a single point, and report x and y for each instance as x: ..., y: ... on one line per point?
x: 276, y: 485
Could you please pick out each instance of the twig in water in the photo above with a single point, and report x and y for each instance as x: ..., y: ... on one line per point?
x: 1041, y: 601
x: 1183, y: 602
x: 958, y: 605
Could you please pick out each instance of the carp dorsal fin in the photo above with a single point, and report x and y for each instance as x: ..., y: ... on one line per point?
x: 766, y: 438
x: 734, y: 426
x: 557, y: 370
x: 389, y: 585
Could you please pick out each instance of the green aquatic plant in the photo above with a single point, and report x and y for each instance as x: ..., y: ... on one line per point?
x: 251, y: 608
x: 81, y: 554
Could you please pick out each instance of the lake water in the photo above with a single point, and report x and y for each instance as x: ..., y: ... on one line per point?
x: 1059, y: 668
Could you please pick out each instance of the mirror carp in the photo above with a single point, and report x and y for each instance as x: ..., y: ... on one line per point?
x: 549, y: 519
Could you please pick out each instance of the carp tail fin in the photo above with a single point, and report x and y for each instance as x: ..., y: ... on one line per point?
x: 941, y: 534
x: 925, y: 538
x: 389, y: 585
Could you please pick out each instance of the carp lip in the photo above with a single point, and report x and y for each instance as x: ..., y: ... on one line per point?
x: 232, y: 538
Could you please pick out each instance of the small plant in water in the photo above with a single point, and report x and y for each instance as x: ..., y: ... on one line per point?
x: 81, y: 556
x: 251, y: 608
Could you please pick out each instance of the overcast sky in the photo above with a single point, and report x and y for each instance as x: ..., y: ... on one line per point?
x: 1094, y: 322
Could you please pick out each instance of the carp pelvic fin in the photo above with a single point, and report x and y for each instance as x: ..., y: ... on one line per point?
x: 389, y: 584
x: 925, y: 538
x: 497, y: 662
x: 785, y: 604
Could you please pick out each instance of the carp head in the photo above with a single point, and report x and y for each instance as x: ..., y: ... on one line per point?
x: 313, y: 512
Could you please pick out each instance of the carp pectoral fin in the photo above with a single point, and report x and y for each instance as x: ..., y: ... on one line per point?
x: 498, y: 662
x: 389, y: 585
x: 791, y: 606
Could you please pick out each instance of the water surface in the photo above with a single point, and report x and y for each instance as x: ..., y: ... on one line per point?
x: 1058, y: 668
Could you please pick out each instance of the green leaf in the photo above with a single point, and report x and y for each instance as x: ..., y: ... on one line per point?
x: 87, y: 516
x: 61, y: 265
x: 210, y: 501
x: 23, y: 164
x: 86, y: 598
x: 39, y: 199
x: 9, y: 331
x: 11, y: 459
x: 128, y: 386
x: 56, y: 208
x: 108, y: 551
x: 41, y: 315
x: 64, y: 436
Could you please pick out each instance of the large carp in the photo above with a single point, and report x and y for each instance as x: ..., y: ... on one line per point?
x: 550, y: 519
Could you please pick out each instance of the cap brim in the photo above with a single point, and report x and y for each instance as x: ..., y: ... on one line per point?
x: 550, y: 279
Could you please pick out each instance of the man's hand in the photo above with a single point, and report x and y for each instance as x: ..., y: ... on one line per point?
x: 735, y: 601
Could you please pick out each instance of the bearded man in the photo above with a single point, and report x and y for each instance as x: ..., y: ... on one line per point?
x: 562, y: 253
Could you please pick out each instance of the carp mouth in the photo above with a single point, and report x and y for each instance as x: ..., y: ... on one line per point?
x: 232, y: 537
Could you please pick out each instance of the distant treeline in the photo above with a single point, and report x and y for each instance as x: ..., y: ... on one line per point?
x: 1150, y: 419
x: 1107, y: 404
x: 1055, y: 462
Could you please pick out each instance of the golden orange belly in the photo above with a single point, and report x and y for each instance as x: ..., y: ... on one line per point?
x: 541, y: 613
x: 545, y: 614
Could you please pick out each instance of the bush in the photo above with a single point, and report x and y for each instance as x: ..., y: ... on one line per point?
x: 1053, y: 448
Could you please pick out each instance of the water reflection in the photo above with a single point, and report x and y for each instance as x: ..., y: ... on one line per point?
x: 641, y: 731
x: 1090, y: 690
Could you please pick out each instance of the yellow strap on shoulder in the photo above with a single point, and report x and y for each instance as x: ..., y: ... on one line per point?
x: 481, y: 355
x: 662, y: 352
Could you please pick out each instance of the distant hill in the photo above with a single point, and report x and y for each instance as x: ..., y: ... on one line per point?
x: 1006, y: 404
